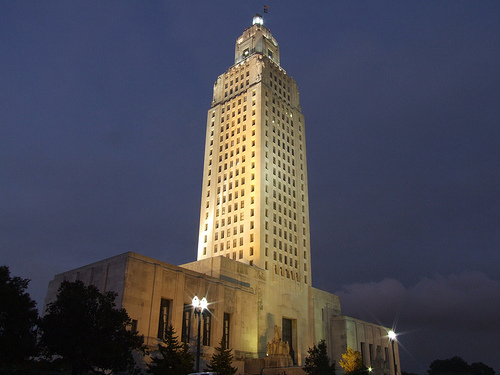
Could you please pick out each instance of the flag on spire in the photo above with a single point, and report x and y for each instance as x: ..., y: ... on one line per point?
x: 266, y: 8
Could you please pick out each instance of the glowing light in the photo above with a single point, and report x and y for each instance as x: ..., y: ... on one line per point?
x: 203, y: 303
x: 200, y: 305
x: 196, y: 301
x: 392, y: 335
x: 257, y: 20
x: 370, y: 369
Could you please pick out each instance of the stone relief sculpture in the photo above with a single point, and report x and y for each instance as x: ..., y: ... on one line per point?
x: 277, y: 346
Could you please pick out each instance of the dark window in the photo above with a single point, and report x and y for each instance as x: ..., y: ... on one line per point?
x: 133, y: 326
x: 164, y: 317
x: 207, y: 324
x: 370, y: 347
x: 287, y: 336
x: 225, y: 332
x: 186, y: 324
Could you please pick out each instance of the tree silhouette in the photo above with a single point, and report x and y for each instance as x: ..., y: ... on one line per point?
x: 221, y: 360
x: 18, y: 319
x: 480, y: 368
x: 317, y: 361
x: 174, y: 357
x: 457, y: 365
x: 84, y: 327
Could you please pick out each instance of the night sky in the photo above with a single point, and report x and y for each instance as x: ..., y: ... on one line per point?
x: 102, y: 128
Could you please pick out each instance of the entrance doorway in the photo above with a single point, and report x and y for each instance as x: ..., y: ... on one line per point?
x: 288, y: 336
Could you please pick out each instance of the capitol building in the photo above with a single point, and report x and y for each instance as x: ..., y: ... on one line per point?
x: 254, y: 257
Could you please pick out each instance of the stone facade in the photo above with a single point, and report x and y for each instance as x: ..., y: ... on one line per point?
x: 255, y: 307
x: 371, y: 340
x: 253, y: 258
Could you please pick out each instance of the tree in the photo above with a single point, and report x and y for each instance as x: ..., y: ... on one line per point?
x: 480, y: 368
x: 174, y: 358
x: 221, y: 360
x: 457, y: 365
x: 84, y: 327
x: 317, y: 361
x: 352, y: 363
x: 18, y: 319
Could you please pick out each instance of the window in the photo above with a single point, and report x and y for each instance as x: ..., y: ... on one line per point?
x: 225, y: 329
x: 287, y: 334
x: 186, y: 324
x: 207, y: 325
x: 164, y: 318
x: 370, y: 348
x: 133, y: 326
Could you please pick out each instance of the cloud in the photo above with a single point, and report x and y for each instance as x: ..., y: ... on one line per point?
x: 470, y: 298
x: 438, y: 316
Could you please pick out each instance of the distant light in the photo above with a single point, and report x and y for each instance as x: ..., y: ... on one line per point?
x: 370, y: 369
x: 196, y: 301
x: 392, y: 335
x: 257, y: 20
x: 203, y: 303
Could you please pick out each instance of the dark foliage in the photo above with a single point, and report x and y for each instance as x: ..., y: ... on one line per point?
x: 18, y: 319
x: 457, y: 365
x: 85, y: 328
x: 221, y: 361
x: 317, y: 362
x: 174, y: 357
x: 480, y: 368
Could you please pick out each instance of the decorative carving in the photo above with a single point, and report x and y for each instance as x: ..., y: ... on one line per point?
x: 277, y: 346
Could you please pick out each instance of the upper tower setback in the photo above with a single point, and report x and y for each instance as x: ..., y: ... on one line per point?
x: 257, y: 39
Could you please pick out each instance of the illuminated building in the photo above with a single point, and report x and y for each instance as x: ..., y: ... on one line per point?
x: 254, y: 205
x: 253, y: 257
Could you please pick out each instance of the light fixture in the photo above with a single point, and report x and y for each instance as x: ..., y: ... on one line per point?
x: 392, y: 336
x: 199, y: 307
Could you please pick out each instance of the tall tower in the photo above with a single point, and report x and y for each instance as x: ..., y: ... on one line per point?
x: 255, y: 206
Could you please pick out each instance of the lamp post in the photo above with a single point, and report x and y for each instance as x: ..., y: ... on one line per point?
x: 392, y: 337
x: 199, y: 307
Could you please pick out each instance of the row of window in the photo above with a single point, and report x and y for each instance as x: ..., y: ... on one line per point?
x: 187, y: 318
x: 279, y: 91
x: 289, y: 274
x: 282, y: 134
x: 371, y: 354
x: 238, y: 76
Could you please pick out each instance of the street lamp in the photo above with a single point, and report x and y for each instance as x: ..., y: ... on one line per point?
x: 392, y: 337
x: 199, y: 307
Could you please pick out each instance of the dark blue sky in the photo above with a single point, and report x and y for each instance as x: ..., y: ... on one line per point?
x: 102, y: 125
